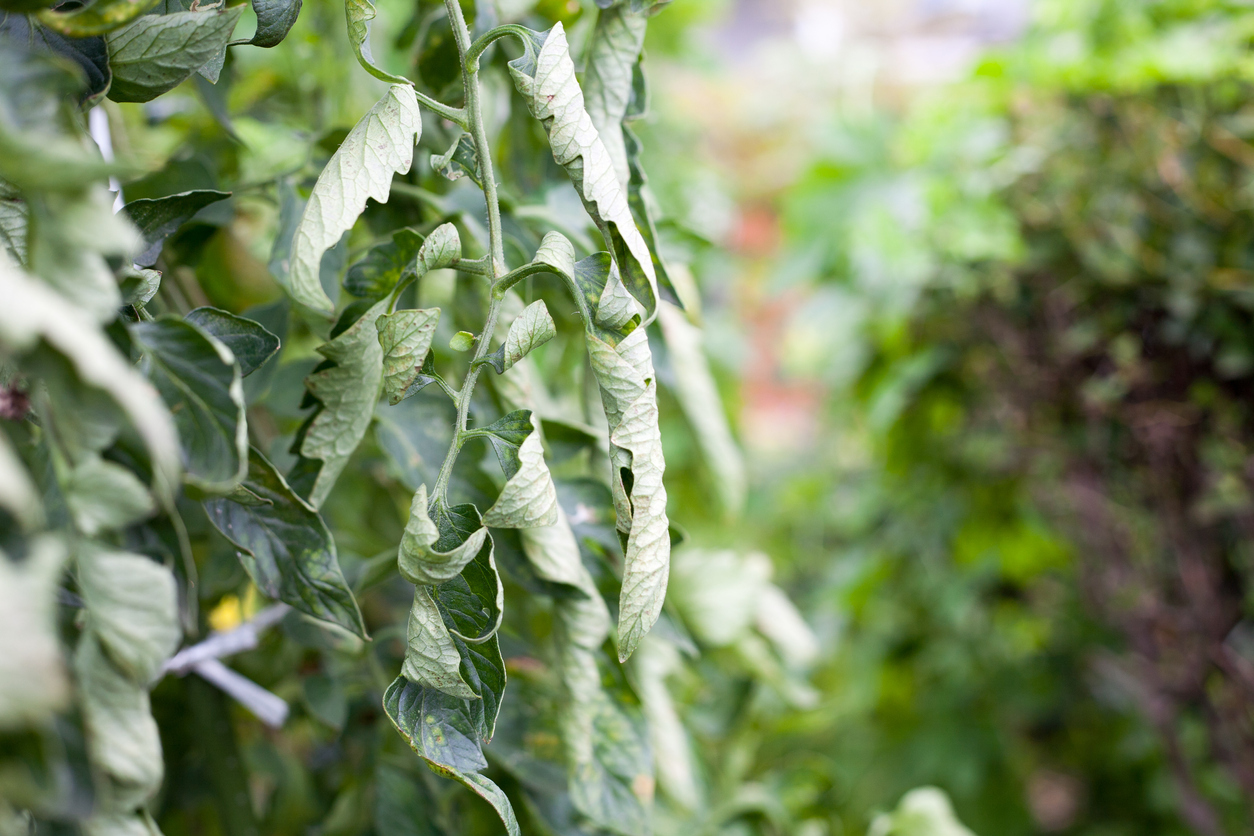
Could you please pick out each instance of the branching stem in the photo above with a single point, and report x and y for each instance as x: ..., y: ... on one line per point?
x: 479, y: 135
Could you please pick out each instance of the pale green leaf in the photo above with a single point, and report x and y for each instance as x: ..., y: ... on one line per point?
x: 629, y: 394
x: 156, y: 53
x: 462, y: 341
x: 104, y: 496
x: 718, y: 592
x: 545, y: 76
x: 132, y: 607
x: 33, y: 681
x: 698, y: 397
x: 532, y: 328
x: 360, y: 13
x: 285, y: 546
x: 122, y: 738
x: 200, y: 381
x: 347, y: 393
x: 423, y: 558
x: 528, y: 498
x: 380, y: 145
x: 925, y: 811
x: 443, y: 248
x: 431, y: 658
x: 33, y: 312
x: 608, y: 80
x: 405, y: 338
x: 18, y: 494
x: 655, y: 660
x: 121, y: 824
x: 554, y: 554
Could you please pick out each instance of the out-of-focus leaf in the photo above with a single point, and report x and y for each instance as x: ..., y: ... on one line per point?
x: 132, y: 607
x: 200, y: 381
x: 925, y: 811
x: 104, y: 496
x: 346, y: 392
x: 380, y: 145
x: 33, y: 312
x: 18, y: 495
x: 286, y: 547
x: 250, y: 342
x: 156, y: 53
x: 14, y: 219
x: 698, y: 397
x: 405, y: 338
x: 139, y: 285
x: 33, y: 681
x: 160, y: 217
x: 95, y: 18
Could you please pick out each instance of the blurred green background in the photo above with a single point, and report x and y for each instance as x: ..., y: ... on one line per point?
x: 977, y: 284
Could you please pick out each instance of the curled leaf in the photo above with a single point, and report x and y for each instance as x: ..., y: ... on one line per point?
x: 380, y: 145
x: 545, y: 76
x: 528, y: 498
x: 460, y: 160
x: 405, y: 338
x: 431, y: 554
x: 532, y: 328
x: 431, y: 657
x: 360, y: 13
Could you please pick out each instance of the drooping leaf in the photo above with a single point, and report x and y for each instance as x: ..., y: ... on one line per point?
x: 613, y: 52
x: 441, y: 730
x: 374, y: 276
x: 528, y: 499
x: 132, y: 607
x: 285, y: 547
x: 201, y: 383
x: 346, y: 392
x: 532, y: 328
x: 104, y: 496
x: 611, y: 779
x: 275, y: 18
x: 698, y: 397
x: 156, y: 53
x: 250, y: 342
x: 158, y: 218
x: 405, y: 338
x: 545, y: 76
x: 359, y: 14
x: 629, y: 394
x: 380, y: 145
x: 34, y: 312
x: 432, y: 554
x: 33, y: 681
x: 460, y: 160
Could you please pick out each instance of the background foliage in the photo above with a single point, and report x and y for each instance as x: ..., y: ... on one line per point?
x: 1003, y: 333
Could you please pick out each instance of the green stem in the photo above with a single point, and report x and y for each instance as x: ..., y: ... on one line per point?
x: 479, y: 134
x: 456, y: 115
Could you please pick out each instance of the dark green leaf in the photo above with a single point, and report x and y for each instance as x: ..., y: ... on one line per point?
x: 250, y: 342
x: 200, y: 381
x: 374, y: 276
x: 442, y: 731
x: 275, y: 19
x: 160, y: 217
x: 285, y: 547
x: 156, y: 53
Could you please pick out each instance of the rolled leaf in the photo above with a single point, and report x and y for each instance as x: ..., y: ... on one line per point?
x: 532, y: 328
x: 359, y: 14
x: 404, y: 338
x: 431, y: 554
